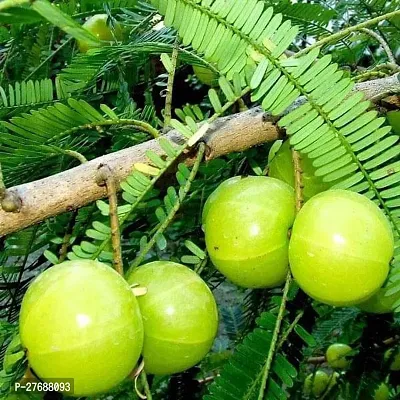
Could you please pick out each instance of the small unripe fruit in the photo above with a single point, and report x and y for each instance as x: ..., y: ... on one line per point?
x: 382, y: 393
x: 316, y: 384
x: 380, y: 303
x: 246, y: 226
x: 281, y: 167
x: 179, y: 314
x: 97, y: 26
x: 205, y: 75
x: 340, y: 248
x: 336, y: 355
x: 395, y: 364
x: 80, y: 320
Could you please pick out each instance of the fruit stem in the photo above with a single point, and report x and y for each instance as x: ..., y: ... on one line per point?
x: 298, y: 184
x: 105, y: 174
x: 170, y: 85
x: 274, y: 347
x: 145, y: 383
x: 67, y: 237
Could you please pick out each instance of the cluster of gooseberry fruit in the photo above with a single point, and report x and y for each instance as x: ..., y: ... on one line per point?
x: 319, y: 382
x: 338, y: 250
x: 81, y: 320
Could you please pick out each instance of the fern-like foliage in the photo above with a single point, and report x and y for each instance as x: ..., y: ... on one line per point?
x: 311, y: 17
x: 18, y: 97
x: 42, y: 135
x: 240, y: 378
x: 351, y: 147
x: 86, y: 69
x: 137, y: 188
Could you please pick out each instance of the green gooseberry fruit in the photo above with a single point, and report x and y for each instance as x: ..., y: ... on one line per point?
x: 316, y: 384
x: 395, y: 364
x: 281, y: 167
x: 98, y: 27
x: 80, y: 320
x: 205, y: 75
x: 179, y: 314
x: 382, y: 393
x: 380, y: 303
x: 340, y: 248
x: 336, y: 355
x: 214, y: 196
x: 246, y: 228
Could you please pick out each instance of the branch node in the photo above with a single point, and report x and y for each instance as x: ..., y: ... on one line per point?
x: 11, y: 202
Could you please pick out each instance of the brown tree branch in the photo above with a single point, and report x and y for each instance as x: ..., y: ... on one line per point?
x: 77, y: 187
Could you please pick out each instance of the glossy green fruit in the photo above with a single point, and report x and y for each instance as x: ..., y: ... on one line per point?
x: 281, y: 167
x: 395, y: 364
x: 179, y: 314
x: 205, y: 75
x: 246, y: 226
x: 379, y: 303
x: 340, y: 248
x: 382, y: 393
x: 316, y: 384
x: 336, y: 355
x: 80, y: 320
x: 97, y: 26
x: 215, y: 195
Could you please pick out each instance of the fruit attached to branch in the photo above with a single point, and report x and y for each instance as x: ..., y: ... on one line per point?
x: 97, y: 26
x: 340, y: 248
x: 246, y: 222
x: 179, y: 314
x: 80, y: 320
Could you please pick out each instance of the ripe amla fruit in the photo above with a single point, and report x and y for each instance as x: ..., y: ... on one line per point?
x: 380, y: 303
x: 80, y: 320
x: 97, y: 26
x: 316, y: 384
x: 336, y: 355
x: 180, y: 316
x: 246, y: 222
x: 281, y: 167
x: 340, y: 248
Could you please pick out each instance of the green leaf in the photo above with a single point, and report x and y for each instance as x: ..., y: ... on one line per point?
x: 195, y: 249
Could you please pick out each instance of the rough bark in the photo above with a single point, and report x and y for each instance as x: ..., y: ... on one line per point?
x: 77, y: 187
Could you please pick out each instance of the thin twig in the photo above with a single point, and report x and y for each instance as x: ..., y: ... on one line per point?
x: 289, y: 330
x: 383, y: 43
x: 298, y: 179
x: 68, y: 233
x: 338, y: 35
x: 105, y: 175
x: 145, y: 383
x: 2, y: 186
x: 182, y: 194
x: 275, y: 335
x: 170, y: 85
x: 316, y: 360
x: 80, y: 157
x: 274, y: 342
x: 48, y: 58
